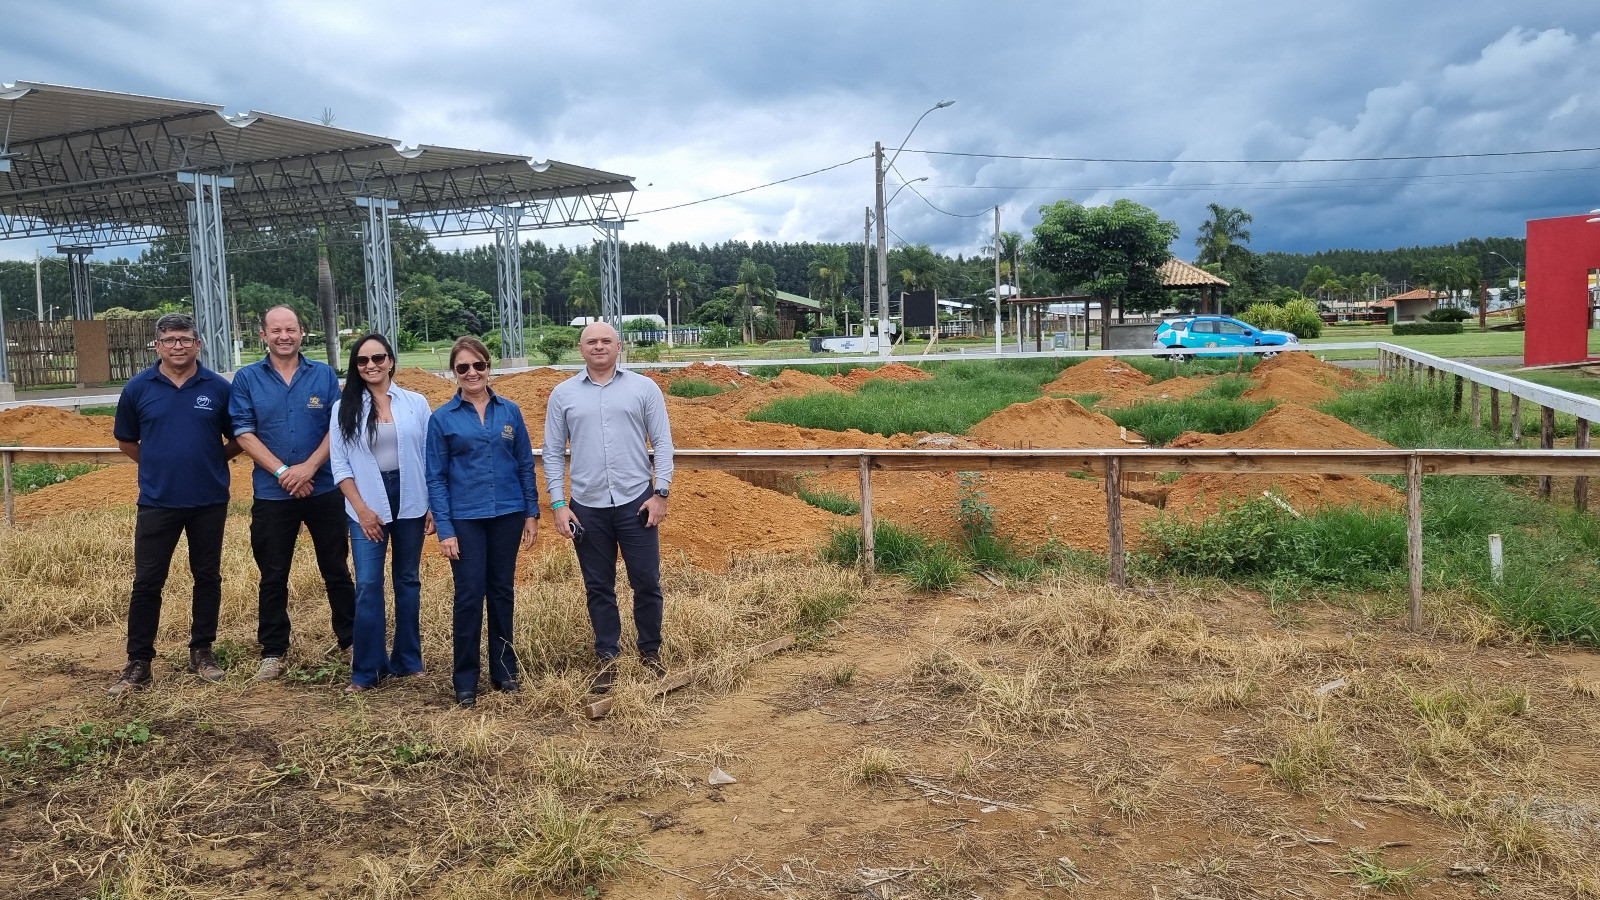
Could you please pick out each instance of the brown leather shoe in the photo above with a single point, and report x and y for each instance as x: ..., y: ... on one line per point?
x: 204, y: 664
x: 136, y: 677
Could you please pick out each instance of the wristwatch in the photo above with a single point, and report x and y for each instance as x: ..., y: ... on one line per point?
x: 662, y: 493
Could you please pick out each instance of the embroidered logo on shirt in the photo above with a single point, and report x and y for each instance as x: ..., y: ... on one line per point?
x: 202, y: 402
x: 314, y: 403
x: 508, y: 432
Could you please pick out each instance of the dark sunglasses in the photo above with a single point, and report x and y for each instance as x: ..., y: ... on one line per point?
x: 376, y: 359
x: 479, y: 366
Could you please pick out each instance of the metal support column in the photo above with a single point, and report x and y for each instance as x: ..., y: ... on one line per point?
x: 208, y: 268
x: 611, y: 274
x: 509, y: 294
x: 377, y: 259
x: 78, y: 274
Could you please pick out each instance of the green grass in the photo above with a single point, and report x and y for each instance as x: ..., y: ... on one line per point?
x: 929, y: 565
x: 1575, y: 382
x: 1160, y: 423
x: 98, y: 411
x: 30, y: 477
x: 958, y: 397
x: 837, y: 504
x: 696, y: 387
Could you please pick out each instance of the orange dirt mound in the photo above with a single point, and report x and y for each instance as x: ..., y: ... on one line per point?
x: 923, y: 440
x: 1029, y: 509
x: 753, y: 394
x: 698, y: 428
x: 716, y: 374
x: 1284, y: 427
x: 436, y: 389
x: 1290, y: 385
x: 1305, y: 363
x: 1051, y: 422
x: 530, y: 390
x: 793, y: 381
x: 1171, y: 389
x: 1097, y: 375
x: 855, y: 378
x: 1288, y: 427
x: 716, y: 514
x: 49, y: 426
x: 111, y: 487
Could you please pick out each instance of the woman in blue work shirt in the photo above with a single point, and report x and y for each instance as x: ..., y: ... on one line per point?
x: 379, y: 433
x: 484, y: 498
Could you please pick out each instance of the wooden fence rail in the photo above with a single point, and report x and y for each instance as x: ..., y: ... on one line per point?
x: 1110, y: 464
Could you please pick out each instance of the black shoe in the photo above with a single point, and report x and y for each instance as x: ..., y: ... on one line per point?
x: 605, y: 676
x: 136, y: 677
x: 509, y: 687
x: 466, y: 699
x: 204, y: 664
x: 653, y: 664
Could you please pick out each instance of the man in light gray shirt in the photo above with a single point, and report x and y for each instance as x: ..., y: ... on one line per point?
x: 607, y: 415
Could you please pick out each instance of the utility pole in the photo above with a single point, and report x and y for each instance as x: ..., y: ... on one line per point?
x: 884, y: 347
x: 997, y: 336
x: 866, y: 277
x: 38, y: 286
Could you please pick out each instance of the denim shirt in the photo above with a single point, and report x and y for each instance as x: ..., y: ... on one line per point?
x: 479, y: 470
x: 291, y: 419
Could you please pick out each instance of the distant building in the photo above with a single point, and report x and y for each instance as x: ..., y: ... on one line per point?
x: 1410, y: 306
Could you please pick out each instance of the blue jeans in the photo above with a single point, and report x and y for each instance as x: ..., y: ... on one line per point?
x: 368, y: 662
x: 606, y: 530
x: 486, y: 570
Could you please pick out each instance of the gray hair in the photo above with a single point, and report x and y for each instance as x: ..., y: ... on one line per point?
x: 175, y: 322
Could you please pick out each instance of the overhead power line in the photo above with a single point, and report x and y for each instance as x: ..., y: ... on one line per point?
x: 1330, y: 159
x: 757, y: 187
x: 1302, y: 182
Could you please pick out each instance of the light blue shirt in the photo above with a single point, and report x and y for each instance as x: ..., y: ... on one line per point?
x: 607, y: 426
x: 354, y: 460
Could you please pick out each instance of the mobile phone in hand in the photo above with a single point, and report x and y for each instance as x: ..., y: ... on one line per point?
x: 644, y: 518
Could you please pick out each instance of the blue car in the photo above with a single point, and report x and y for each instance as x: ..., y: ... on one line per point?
x: 1213, y: 333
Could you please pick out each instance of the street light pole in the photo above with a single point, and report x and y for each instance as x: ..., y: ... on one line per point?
x: 884, y: 348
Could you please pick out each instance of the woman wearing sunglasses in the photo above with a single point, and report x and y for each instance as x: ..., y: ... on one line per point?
x: 484, y: 499
x: 380, y: 431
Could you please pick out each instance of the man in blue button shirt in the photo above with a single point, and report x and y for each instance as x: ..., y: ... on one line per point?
x: 172, y: 419
x: 281, y: 411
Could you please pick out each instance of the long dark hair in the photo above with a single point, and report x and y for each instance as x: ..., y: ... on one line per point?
x: 354, y: 387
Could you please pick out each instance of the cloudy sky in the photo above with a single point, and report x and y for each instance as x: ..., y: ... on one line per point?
x: 699, y: 99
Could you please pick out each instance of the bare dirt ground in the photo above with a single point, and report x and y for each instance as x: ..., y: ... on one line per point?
x: 1048, y: 739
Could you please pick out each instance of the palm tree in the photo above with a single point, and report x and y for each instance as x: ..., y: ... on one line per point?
x: 686, y: 280
x: 827, y: 273
x: 920, y: 268
x: 755, y: 285
x: 583, y: 287
x: 1221, y: 239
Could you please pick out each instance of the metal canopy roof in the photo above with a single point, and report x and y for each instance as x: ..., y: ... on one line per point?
x: 102, y: 168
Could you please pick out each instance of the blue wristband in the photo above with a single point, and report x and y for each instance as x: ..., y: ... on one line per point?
x: 558, y: 504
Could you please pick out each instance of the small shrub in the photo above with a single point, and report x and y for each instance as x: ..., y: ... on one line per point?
x: 645, y: 351
x: 717, y: 335
x: 1402, y: 329
x: 30, y: 477
x: 555, y: 345
x: 1160, y: 423
x: 838, y: 504
x: 1448, y: 314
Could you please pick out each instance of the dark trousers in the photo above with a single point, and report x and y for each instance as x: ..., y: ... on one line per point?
x: 607, y: 530
x: 155, y: 538
x: 274, y: 527
x: 486, y: 570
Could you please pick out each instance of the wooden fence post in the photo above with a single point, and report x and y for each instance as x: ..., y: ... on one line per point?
x: 1477, y: 407
x: 1580, y: 485
x: 1414, y: 537
x: 1494, y: 411
x: 869, y: 558
x: 11, y: 499
x: 1431, y: 374
x: 1456, y: 403
x: 1119, y: 576
x: 1547, y: 440
x: 1516, y: 421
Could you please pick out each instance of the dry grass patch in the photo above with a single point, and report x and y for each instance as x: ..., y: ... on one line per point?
x: 1234, y: 691
x: 1005, y: 706
x: 880, y: 766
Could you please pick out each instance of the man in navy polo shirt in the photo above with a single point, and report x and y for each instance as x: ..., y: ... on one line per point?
x: 172, y: 419
x: 281, y: 408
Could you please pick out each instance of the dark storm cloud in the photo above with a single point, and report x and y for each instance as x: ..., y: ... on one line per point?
x: 700, y: 99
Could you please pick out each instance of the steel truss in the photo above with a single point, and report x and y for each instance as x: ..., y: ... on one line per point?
x: 208, y: 267
x: 377, y: 257
x: 610, y: 274
x: 78, y: 275
x: 508, y: 295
